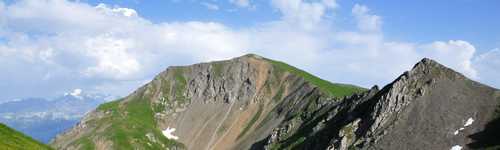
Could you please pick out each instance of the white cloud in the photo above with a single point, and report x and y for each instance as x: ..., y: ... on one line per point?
x: 111, y: 57
x: 366, y: 21
x: 114, y: 49
x: 456, y: 54
x: 487, y: 65
x: 210, y: 6
x: 303, y: 13
x: 127, y: 12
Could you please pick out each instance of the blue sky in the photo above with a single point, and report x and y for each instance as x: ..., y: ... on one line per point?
x: 48, y: 47
x: 473, y: 21
x: 189, y: 10
x: 426, y: 20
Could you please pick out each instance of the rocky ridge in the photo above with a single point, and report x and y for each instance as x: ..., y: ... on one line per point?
x: 428, y: 107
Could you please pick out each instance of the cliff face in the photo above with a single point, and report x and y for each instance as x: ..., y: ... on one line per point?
x: 252, y: 102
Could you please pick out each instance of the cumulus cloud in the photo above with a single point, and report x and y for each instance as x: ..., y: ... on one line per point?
x: 456, y: 54
x: 114, y: 49
x: 113, y: 45
x: 127, y: 12
x: 303, y: 13
x: 366, y: 21
x: 111, y: 57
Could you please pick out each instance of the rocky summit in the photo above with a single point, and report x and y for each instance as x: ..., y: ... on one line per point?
x: 251, y: 102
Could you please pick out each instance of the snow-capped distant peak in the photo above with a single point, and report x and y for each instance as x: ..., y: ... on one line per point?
x: 76, y: 92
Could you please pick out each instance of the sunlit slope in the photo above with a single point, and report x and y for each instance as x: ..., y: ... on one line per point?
x: 11, y: 139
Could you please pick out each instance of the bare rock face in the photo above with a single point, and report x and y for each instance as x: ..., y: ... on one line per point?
x: 251, y: 102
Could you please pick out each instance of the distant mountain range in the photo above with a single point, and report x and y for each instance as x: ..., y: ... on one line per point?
x: 44, y: 118
x: 251, y: 102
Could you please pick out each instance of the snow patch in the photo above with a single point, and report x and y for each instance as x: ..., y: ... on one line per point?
x: 469, y: 122
x: 457, y: 131
x: 169, y: 133
x: 456, y: 147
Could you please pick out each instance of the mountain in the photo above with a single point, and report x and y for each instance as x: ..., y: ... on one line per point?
x: 11, y: 139
x: 428, y: 107
x: 251, y: 102
x: 43, y: 118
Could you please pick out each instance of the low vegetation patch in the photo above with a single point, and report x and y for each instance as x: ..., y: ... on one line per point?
x: 334, y: 89
x: 129, y: 126
x: 12, y: 139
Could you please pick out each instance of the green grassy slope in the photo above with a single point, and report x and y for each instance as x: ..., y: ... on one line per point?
x: 11, y: 139
x: 334, y: 89
x: 129, y: 125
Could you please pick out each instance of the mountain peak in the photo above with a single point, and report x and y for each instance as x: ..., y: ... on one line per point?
x: 428, y: 63
x: 434, y: 97
x: 251, y: 55
x: 236, y: 96
x: 434, y: 69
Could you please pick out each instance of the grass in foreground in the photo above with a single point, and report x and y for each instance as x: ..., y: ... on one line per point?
x: 11, y: 139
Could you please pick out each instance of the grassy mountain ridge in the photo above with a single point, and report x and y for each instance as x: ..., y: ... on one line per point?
x: 334, y: 89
